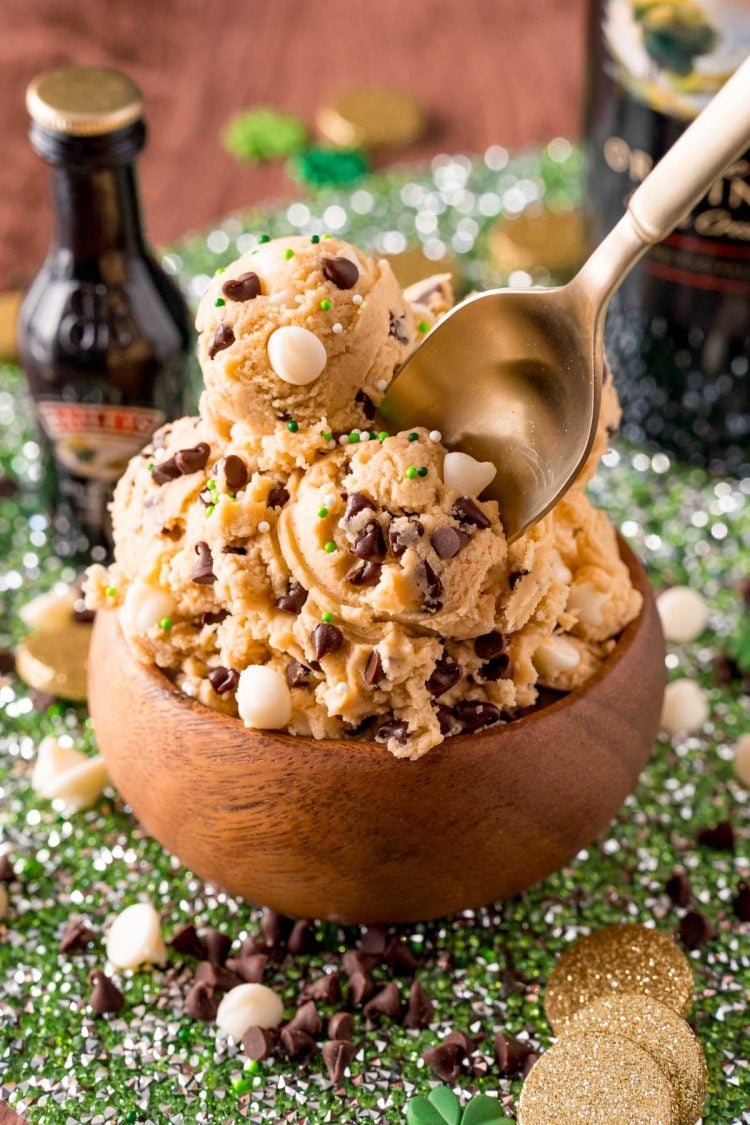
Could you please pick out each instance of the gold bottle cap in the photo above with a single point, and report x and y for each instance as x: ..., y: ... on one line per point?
x: 84, y: 101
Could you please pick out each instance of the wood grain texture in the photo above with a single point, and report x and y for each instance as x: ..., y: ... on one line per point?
x: 488, y: 71
x: 345, y: 831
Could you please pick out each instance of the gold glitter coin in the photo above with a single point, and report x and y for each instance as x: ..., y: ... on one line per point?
x: 56, y: 661
x: 597, y: 1080
x: 553, y: 240
x: 411, y: 266
x: 629, y: 958
x: 657, y: 1029
x: 371, y: 117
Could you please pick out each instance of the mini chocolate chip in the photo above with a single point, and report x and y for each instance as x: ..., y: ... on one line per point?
x: 277, y: 497
x: 297, y: 1043
x: 193, y: 460
x: 466, y: 511
x: 234, y: 550
x: 7, y: 874
x: 361, y: 988
x: 431, y: 584
x: 396, y: 328
x: 42, y: 700
x: 368, y: 574
x: 341, y: 1026
x: 235, y: 472
x: 447, y: 720
x: 337, y: 1054
x: 223, y: 337
x: 741, y: 902
x: 217, y: 946
x: 490, y: 645
x: 356, y: 502
x: 444, y: 676
x: 326, y: 639
x: 511, y: 1054
x: 473, y: 714
x: 200, y: 1003
x: 399, y: 540
x: 294, y: 598
x: 302, y: 938
x: 275, y: 928
x: 8, y: 487
x: 461, y: 1039
x: 246, y: 287
x: 400, y: 957
x: 185, y: 940
x: 327, y: 989
x: 444, y: 1061
x: 726, y: 669
x: 720, y: 837
x: 386, y: 1003
x: 359, y: 961
x: 497, y: 669
x: 343, y: 273
x: 306, y: 1019
x: 695, y: 930
x: 515, y: 577
x: 368, y: 406
x: 76, y: 936
x: 447, y: 542
x: 258, y: 1043
x: 528, y: 1062
x: 203, y: 573
x: 678, y: 888
x: 106, y: 996
x: 214, y: 618
x: 250, y: 967
x: 370, y: 544
x: 217, y: 976
x: 223, y: 680
x: 165, y: 471
x: 420, y: 1010
x: 373, y: 669
x: 297, y: 674
x: 7, y: 662
x: 393, y: 728
x: 374, y: 940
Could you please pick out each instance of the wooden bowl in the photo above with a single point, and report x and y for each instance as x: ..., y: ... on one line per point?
x: 343, y: 830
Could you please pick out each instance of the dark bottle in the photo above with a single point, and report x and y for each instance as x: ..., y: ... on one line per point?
x: 678, y: 332
x: 103, y: 331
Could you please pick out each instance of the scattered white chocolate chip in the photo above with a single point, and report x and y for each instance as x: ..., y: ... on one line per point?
x: 337, y: 328
x: 67, y: 776
x: 264, y: 526
x: 249, y: 1005
x: 296, y: 355
x: 741, y: 760
x: 145, y: 605
x: 134, y: 938
x: 683, y: 614
x: 49, y: 611
x: 555, y: 655
x: 3, y: 901
x: 466, y: 475
x: 263, y: 698
x: 435, y: 436
x: 587, y: 603
x: 685, y: 707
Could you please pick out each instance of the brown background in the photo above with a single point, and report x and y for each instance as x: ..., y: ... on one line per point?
x: 506, y: 71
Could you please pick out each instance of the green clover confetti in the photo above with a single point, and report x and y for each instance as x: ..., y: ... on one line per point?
x: 319, y: 166
x: 260, y: 133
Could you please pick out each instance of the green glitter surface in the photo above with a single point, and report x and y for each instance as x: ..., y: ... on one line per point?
x: 485, y: 970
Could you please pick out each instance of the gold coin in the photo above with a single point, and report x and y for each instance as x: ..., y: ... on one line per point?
x: 597, y: 1080
x: 372, y: 117
x: 411, y: 265
x: 56, y: 661
x: 655, y: 1028
x: 552, y: 239
x: 629, y: 958
x: 10, y: 305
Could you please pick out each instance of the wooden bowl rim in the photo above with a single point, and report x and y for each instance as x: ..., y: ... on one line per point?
x: 160, y: 684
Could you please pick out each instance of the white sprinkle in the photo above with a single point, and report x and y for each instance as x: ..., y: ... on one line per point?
x: 264, y: 526
x: 435, y: 435
x: 344, y: 439
x: 382, y: 384
x: 342, y: 688
x: 357, y: 299
x: 356, y: 430
x: 329, y: 499
x: 364, y: 435
x: 337, y: 328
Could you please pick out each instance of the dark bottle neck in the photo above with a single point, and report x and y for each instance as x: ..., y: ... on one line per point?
x: 97, y: 211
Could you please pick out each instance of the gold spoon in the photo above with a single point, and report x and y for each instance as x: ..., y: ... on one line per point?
x: 513, y: 376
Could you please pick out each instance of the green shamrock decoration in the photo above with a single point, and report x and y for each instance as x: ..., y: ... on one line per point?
x: 442, y: 1107
x: 263, y: 134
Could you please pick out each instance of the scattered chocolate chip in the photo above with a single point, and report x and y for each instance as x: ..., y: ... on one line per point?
x: 359, y: 961
x: 374, y: 940
x: 326, y: 639
x: 473, y: 714
x: 203, y: 573
x: 275, y: 928
x: 297, y: 674
x: 462, y: 1040
x: 498, y: 669
x: 7, y: 874
x: 356, y: 502
x: 343, y: 273
x: 490, y: 645
x: 511, y: 1054
x: 246, y: 287
x: 387, y: 1003
x: 223, y: 337
x: 223, y: 680
x: 393, y: 728
x: 368, y: 406
x: 8, y: 487
x: 326, y: 989
x: 217, y: 946
x: 193, y: 460
x: 466, y: 511
x: 720, y: 837
x: 368, y: 574
x: 528, y: 1062
x: 373, y: 669
x: 302, y: 937
x: 337, y: 1054
x: 726, y: 669
x: 306, y: 1019
x: 200, y: 1003
x: 234, y: 550
x: 695, y: 930
x: 42, y: 700
x: 105, y: 996
x: 258, y: 1043
x: 277, y: 497
x: 249, y: 967
x: 741, y: 902
x: 297, y: 1043
x: 341, y: 1026
x: 252, y: 945
x: 445, y: 675
x: 431, y: 584
x: 217, y: 976
x: 7, y: 662
x: 370, y: 544
x: 678, y: 888
x: 401, y: 538
x: 165, y: 471
x: 294, y: 598
x: 447, y: 542
x: 214, y: 618
x: 361, y: 988
x: 234, y: 471
x: 444, y: 1061
x: 396, y: 328
x: 76, y: 936
x: 447, y: 720
x: 401, y: 958
x: 420, y: 1010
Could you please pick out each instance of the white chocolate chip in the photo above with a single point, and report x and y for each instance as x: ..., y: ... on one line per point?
x: 741, y: 760
x: 146, y: 605
x: 49, y: 611
x: 249, y: 1005
x: 3, y: 901
x: 134, y: 938
x: 466, y: 475
x: 587, y: 603
x: 296, y: 355
x: 67, y: 776
x: 436, y: 436
x: 263, y: 698
x: 685, y: 707
x: 683, y: 613
x: 555, y: 655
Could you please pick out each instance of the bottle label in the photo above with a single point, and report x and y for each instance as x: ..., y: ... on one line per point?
x: 673, y: 55
x: 94, y: 441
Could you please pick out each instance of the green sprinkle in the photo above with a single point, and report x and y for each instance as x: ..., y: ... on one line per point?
x: 423, y: 326
x: 413, y: 437
x: 210, y: 509
x: 234, y: 499
x: 219, y: 302
x: 185, y: 1034
x: 327, y: 236
x: 315, y: 239
x: 289, y: 253
x: 423, y: 471
x: 322, y: 513
x: 325, y: 304
x: 383, y: 435
x: 326, y: 617
x: 166, y: 623
x: 411, y: 472
x: 353, y: 437
x: 330, y: 547
x: 111, y: 591
x: 264, y: 238
x: 211, y: 484
x: 150, y: 466
x: 326, y: 435
x: 220, y: 270
x: 242, y: 1085
x: 292, y: 426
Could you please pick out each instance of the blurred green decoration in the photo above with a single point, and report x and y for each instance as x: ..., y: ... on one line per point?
x: 675, y: 32
x: 260, y: 133
x: 738, y: 645
x: 321, y: 166
x: 442, y: 1107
